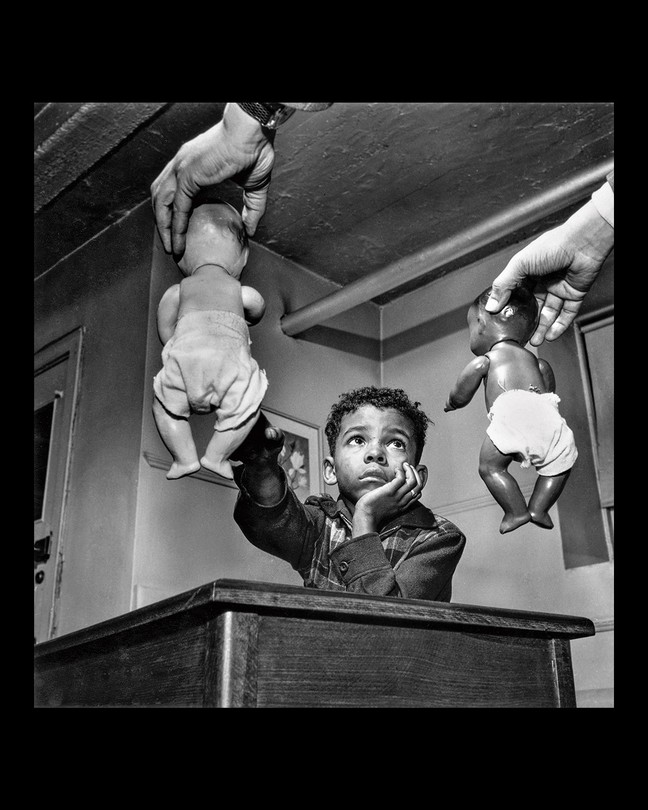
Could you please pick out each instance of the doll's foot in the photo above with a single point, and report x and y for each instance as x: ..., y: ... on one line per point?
x: 511, y: 522
x: 222, y: 468
x: 178, y: 470
x: 541, y: 519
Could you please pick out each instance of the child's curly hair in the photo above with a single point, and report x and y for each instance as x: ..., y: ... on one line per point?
x: 381, y: 398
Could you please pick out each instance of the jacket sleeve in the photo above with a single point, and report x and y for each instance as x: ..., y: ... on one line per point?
x: 603, y: 199
x: 424, y: 573
x: 287, y: 530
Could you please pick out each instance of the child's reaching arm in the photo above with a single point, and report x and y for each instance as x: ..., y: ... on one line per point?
x: 267, y: 511
x: 467, y: 383
x: 261, y: 474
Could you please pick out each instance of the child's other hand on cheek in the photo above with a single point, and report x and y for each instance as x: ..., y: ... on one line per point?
x: 380, y: 505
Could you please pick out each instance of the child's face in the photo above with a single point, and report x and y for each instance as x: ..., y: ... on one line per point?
x: 373, y: 443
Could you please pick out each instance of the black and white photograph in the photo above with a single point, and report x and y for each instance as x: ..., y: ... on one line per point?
x: 324, y: 404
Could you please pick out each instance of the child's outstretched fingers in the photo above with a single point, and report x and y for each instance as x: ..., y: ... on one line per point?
x: 274, y: 436
x: 263, y: 442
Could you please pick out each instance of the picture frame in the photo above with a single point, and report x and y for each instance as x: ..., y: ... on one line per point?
x: 301, y: 457
x: 303, y: 438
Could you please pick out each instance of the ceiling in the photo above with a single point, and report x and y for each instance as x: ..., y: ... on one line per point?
x: 355, y: 188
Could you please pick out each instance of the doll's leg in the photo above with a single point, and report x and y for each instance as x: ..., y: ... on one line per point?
x: 493, y: 469
x: 222, y: 444
x: 545, y: 494
x: 176, y: 435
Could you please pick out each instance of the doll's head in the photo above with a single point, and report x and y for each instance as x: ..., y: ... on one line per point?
x: 516, y: 321
x: 215, y: 235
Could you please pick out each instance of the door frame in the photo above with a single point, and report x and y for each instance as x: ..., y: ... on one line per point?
x: 63, y: 390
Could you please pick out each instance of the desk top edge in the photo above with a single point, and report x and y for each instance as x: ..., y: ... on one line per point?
x: 264, y: 597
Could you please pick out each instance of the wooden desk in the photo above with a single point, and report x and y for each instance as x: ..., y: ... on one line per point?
x: 233, y: 643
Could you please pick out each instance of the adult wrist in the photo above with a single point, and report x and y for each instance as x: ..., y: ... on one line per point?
x: 235, y: 120
x: 269, y: 114
x: 589, y: 232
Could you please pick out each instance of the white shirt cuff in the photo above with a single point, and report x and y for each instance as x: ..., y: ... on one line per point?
x: 603, y: 199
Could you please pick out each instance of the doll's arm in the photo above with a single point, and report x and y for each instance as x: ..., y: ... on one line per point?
x: 547, y: 375
x: 167, y: 313
x: 467, y: 383
x: 253, y: 305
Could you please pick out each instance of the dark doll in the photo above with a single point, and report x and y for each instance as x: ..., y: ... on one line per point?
x: 525, y: 425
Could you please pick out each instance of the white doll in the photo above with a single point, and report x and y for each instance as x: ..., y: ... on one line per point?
x: 207, y: 365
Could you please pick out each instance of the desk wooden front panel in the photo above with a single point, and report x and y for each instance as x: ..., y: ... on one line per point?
x: 155, y: 665
x: 324, y: 663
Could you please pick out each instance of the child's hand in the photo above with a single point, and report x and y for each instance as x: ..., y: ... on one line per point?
x: 376, y: 507
x: 262, y: 477
x: 261, y: 446
x: 449, y: 407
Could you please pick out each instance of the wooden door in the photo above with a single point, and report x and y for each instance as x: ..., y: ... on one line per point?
x: 55, y: 384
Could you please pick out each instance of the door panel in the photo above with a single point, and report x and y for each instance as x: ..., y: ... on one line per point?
x: 56, y: 371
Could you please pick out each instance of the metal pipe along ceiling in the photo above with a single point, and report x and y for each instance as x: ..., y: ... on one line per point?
x: 429, y: 258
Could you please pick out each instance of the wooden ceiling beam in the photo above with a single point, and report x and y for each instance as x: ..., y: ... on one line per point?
x: 70, y: 138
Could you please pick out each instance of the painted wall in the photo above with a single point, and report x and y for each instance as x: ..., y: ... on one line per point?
x: 522, y: 570
x: 104, y: 288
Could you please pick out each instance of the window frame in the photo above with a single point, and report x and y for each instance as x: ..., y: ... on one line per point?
x: 597, y: 319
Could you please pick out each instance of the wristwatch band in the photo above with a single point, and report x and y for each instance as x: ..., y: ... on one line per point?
x: 270, y: 114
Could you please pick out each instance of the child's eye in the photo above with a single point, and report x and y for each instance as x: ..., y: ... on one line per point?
x: 356, y: 440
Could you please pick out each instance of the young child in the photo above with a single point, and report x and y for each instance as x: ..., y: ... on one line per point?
x: 203, y: 323
x: 376, y: 538
x: 525, y: 425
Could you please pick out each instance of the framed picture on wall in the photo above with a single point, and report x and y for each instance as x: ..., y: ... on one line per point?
x: 301, y: 456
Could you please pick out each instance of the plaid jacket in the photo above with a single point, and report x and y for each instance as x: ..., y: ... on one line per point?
x: 414, y: 555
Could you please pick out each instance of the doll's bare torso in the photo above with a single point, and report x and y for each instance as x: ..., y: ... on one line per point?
x: 511, y: 367
x: 209, y: 288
